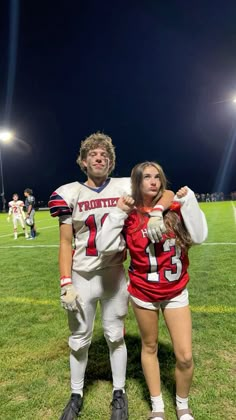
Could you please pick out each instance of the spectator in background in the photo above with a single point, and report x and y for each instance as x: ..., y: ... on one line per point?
x: 30, y: 211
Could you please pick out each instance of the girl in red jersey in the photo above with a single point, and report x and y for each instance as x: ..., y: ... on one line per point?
x: 158, y: 274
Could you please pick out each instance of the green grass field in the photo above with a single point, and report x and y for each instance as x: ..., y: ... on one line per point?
x: 34, y: 370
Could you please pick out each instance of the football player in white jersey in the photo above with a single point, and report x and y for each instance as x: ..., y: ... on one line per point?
x: 86, y: 278
x: 16, y: 212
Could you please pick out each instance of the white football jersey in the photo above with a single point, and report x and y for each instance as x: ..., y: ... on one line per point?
x: 86, y: 209
x: 16, y: 208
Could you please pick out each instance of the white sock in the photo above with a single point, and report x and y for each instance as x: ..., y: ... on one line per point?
x: 78, y: 363
x: 182, y: 404
x: 157, y: 403
x: 118, y: 389
x: 118, y: 360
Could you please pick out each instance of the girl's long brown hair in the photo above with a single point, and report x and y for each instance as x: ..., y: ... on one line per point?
x: 173, y: 220
x: 136, y: 182
x: 175, y: 227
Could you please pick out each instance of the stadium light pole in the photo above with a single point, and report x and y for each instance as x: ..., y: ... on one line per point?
x: 5, y: 137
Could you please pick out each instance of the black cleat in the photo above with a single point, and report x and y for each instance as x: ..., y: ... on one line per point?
x: 119, y: 406
x: 73, y: 407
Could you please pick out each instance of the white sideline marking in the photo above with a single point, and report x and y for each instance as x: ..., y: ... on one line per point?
x: 219, y: 243
x: 234, y: 210
x: 29, y: 246
x: 42, y: 228
x: 56, y: 246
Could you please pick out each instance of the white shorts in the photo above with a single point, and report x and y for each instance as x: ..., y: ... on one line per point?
x: 178, y: 301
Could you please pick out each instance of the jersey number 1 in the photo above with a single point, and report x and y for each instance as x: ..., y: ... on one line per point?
x: 90, y: 222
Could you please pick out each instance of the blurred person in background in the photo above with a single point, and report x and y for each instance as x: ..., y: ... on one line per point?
x: 16, y: 213
x: 30, y: 211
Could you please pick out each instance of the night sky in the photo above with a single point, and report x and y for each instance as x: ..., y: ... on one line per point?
x: 157, y: 76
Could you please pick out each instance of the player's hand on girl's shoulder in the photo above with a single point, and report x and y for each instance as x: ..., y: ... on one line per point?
x: 182, y: 192
x: 126, y: 203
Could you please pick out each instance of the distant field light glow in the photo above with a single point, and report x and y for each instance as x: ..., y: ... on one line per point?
x: 6, y: 136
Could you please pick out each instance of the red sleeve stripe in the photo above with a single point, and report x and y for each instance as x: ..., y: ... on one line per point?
x: 58, y: 206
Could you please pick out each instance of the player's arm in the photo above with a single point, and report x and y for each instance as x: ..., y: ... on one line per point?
x: 110, y: 239
x: 22, y: 209
x: 69, y: 296
x: 65, y: 250
x: 193, y: 216
x: 60, y: 207
x: 29, y: 210
x: 166, y: 199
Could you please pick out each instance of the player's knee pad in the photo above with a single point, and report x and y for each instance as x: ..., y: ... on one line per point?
x: 77, y: 342
x: 114, y: 335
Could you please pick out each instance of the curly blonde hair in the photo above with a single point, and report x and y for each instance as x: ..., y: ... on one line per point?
x: 94, y: 141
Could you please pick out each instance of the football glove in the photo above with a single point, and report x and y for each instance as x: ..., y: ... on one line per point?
x: 155, y: 226
x: 70, y: 299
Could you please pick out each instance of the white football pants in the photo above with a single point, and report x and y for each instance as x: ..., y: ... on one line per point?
x: 109, y: 287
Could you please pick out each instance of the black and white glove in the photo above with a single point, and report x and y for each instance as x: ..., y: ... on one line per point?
x: 156, y: 226
x: 70, y: 299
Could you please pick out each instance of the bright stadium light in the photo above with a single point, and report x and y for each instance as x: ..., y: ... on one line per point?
x: 5, y: 137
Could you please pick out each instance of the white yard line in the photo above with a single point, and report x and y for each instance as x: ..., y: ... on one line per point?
x: 20, y: 232
x: 29, y: 246
x: 234, y: 210
x: 219, y: 243
x: 56, y: 246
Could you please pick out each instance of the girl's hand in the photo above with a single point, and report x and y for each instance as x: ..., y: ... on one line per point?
x: 182, y: 192
x: 126, y: 204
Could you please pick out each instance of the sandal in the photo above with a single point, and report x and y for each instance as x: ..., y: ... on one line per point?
x: 182, y: 412
x: 155, y: 414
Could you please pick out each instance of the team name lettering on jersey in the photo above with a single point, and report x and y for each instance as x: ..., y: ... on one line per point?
x: 97, y: 203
